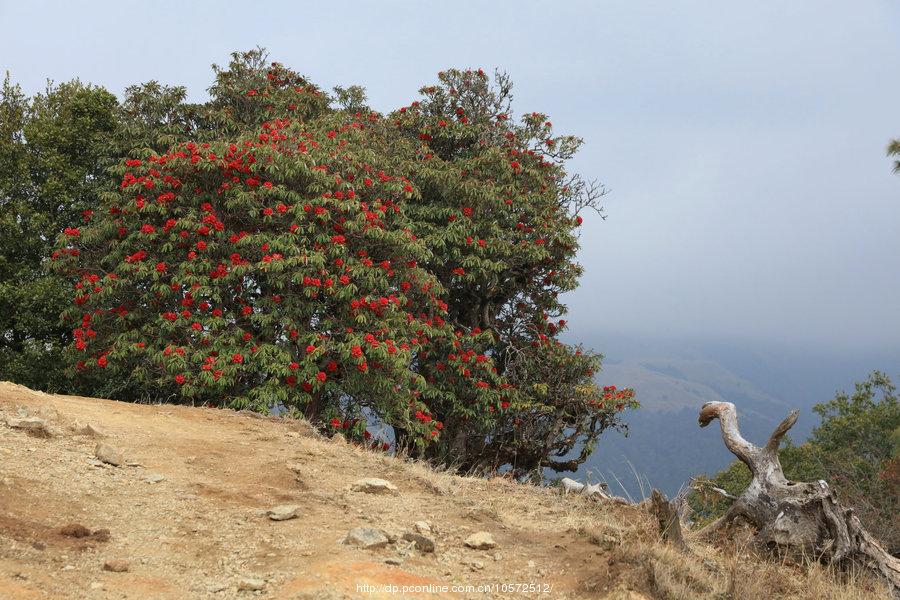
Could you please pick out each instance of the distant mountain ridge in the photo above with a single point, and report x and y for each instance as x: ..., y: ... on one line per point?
x: 674, y: 378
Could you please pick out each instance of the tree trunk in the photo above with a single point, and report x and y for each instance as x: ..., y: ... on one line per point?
x: 667, y: 517
x: 795, y: 517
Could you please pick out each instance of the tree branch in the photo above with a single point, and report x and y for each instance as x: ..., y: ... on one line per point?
x: 731, y: 435
x: 783, y: 427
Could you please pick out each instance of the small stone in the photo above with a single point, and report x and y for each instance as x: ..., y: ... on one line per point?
x: 283, y: 512
x: 373, y: 485
x: 390, y: 535
x: 88, y: 429
x: 530, y: 564
x: 423, y: 527
x: 216, y: 587
x: 101, y: 535
x: 31, y: 425
x: 476, y: 565
x: 250, y: 584
x: 96, y: 585
x: 116, y: 565
x: 423, y: 543
x: 394, y: 561
x: 69, y: 568
x: 39, y: 545
x: 108, y: 454
x: 366, y: 537
x: 481, y: 541
x: 154, y: 478
x: 75, y: 530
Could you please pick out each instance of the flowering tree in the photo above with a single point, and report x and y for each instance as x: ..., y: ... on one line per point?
x: 293, y: 249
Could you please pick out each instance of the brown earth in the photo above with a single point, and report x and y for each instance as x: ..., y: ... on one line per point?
x: 202, y: 529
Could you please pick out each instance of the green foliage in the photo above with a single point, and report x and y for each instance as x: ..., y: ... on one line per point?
x: 855, y: 448
x: 893, y: 149
x: 278, y: 246
x: 53, y: 149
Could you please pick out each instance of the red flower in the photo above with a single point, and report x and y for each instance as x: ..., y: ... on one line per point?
x: 321, y: 376
x: 237, y: 358
x: 179, y: 379
x: 310, y: 349
x: 161, y: 267
x: 247, y: 310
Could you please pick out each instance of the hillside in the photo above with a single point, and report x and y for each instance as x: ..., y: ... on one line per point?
x: 672, y: 377
x: 184, y: 516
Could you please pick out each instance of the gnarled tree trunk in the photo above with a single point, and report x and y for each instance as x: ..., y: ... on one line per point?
x: 794, y: 516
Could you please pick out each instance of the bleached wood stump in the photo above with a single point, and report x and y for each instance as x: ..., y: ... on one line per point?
x: 790, y: 516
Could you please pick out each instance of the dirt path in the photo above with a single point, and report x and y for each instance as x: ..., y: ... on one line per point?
x: 199, y: 531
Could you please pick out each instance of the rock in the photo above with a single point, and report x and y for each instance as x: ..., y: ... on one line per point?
x: 87, y: 429
x: 394, y: 561
x: 101, y: 535
x: 423, y: 527
x: 373, y: 485
x: 108, y: 454
x: 154, y: 478
x: 481, y: 541
x: 250, y: 584
x: 390, y: 535
x: 96, y: 585
x: 366, y: 537
x: 30, y: 425
x: 215, y: 587
x: 476, y: 565
x: 116, y: 565
x: 75, y: 530
x: 422, y: 543
x: 283, y: 512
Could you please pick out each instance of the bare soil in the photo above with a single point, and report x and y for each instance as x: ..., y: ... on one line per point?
x: 202, y: 529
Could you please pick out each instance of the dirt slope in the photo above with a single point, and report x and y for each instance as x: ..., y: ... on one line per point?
x: 201, y: 530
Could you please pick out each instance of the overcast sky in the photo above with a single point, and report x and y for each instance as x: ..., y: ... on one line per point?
x: 744, y: 145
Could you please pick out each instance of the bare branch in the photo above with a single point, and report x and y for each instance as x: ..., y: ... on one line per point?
x: 783, y: 427
x: 731, y: 435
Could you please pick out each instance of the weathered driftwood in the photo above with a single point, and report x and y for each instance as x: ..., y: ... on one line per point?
x: 791, y: 516
x: 668, y: 519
